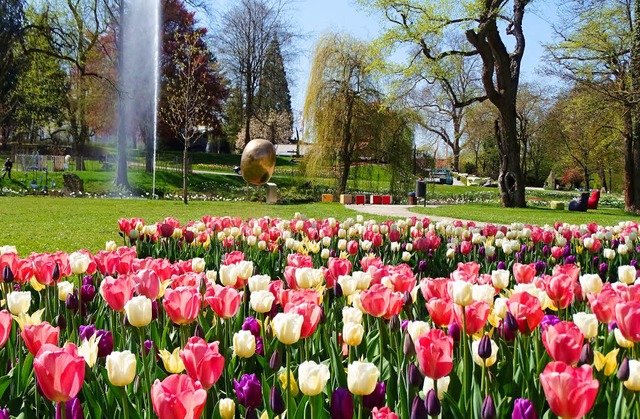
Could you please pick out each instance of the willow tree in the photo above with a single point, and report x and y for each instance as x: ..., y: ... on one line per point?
x: 337, y: 111
x: 423, y: 25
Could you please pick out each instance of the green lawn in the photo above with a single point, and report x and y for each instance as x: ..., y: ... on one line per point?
x: 42, y: 224
x: 496, y: 214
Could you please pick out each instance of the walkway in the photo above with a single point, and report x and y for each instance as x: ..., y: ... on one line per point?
x: 400, y: 211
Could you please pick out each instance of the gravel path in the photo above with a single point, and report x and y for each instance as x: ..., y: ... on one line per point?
x: 400, y: 211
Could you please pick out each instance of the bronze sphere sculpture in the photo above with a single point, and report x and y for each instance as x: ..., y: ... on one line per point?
x: 258, y: 161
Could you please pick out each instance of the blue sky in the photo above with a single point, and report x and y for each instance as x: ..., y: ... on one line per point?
x: 314, y: 17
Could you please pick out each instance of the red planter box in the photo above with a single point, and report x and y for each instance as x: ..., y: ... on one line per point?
x: 360, y: 200
x: 376, y: 199
x: 386, y: 199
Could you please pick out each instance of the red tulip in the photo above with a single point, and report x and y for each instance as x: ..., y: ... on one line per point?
x: 435, y: 288
x: 59, y: 371
x: 178, y: 397
x: 117, y: 292
x: 375, y: 300
x: 182, y: 304
x: 35, y: 336
x: 352, y: 247
x: 5, y: 326
x: 43, y: 266
x: 336, y: 268
x: 524, y: 273
x: 476, y: 315
x: 604, y: 304
x: 311, y: 313
x: 628, y: 319
x: 435, y: 350
x: 202, y: 361
x: 147, y: 283
x: 559, y: 288
x: 224, y: 301
x: 441, y: 311
x: 402, y: 278
x: 563, y: 342
x: 527, y: 311
x: 570, y: 391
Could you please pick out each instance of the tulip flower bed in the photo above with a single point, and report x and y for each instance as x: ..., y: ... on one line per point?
x: 304, y: 318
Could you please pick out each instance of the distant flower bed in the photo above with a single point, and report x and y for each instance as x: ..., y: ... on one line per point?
x: 326, y: 319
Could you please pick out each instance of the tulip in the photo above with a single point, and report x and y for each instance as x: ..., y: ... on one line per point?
x: 341, y: 404
x: 627, y: 274
x: 275, y: 400
x: 591, y: 283
x: 227, y: 408
x: 488, y: 409
x: 311, y: 313
x: 443, y: 386
x: 414, y: 376
x: 475, y: 317
x: 563, y: 342
x: 287, y: 327
x: 569, y: 390
x: 64, y: 289
x: 202, y: 361
x: 73, y: 409
x: 18, y: 302
x: 526, y: 310
x: 248, y: 391
x: 5, y: 326
x: 121, y: 368
x: 178, y: 396
x: 138, y: 311
x: 261, y: 301
x: 435, y: 351
x: 89, y: 350
x: 485, y: 351
x: 609, y: 361
x: 117, y: 292
x: 628, y: 319
x: 312, y: 377
x: 461, y: 292
x: 172, y: 361
x: 500, y: 278
x: 383, y: 413
x: 259, y: 283
x: 35, y: 336
x: 633, y: 381
x: 182, y: 304
x: 362, y: 378
x: 352, y: 334
x: 376, y: 398
x: 523, y: 409
x: 624, y: 372
x: 244, y: 344
x: 228, y: 275
x: 588, y: 324
x: 79, y: 262
x: 198, y: 265
x: 252, y: 325
x: 291, y: 382
x: 431, y: 403
x: 417, y: 328
x: 351, y: 315
x: 59, y: 372
x: 621, y: 340
x: 224, y: 301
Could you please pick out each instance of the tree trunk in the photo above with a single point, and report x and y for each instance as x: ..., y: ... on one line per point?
x: 510, y: 179
x: 249, y: 107
x: 121, y: 167
x: 632, y: 141
x: 585, y: 169
x: 184, y: 172
x: 629, y: 192
x: 602, y: 176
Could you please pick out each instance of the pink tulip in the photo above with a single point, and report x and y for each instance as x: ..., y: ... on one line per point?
x: 182, y: 304
x: 178, y: 397
x: 117, y: 291
x: 43, y: 266
x: 435, y: 351
x: 202, y: 361
x: 435, y: 288
x: 299, y: 261
x: 603, y: 305
x: 524, y: 273
x: 628, y: 319
x: 224, y: 301
x: 527, y: 311
x: 375, y: 300
x: 476, y: 315
x: 563, y: 342
x: 466, y: 272
x: 147, y: 283
x: 570, y: 391
x: 59, y: 371
x: 441, y: 311
x: 5, y: 326
x: 311, y: 313
x: 559, y: 288
x: 35, y: 336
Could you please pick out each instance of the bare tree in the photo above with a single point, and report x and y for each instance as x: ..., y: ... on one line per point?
x: 246, y: 31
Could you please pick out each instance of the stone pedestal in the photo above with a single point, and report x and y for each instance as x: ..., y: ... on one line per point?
x: 272, y: 193
x: 346, y: 199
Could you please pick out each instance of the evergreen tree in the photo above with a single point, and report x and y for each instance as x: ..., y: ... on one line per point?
x: 273, y: 88
x: 11, y: 15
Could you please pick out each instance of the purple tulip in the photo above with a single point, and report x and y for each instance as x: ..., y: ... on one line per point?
x: 540, y: 267
x: 505, y: 333
x: 7, y: 274
x: 85, y: 332
x: 432, y: 403
x: 502, y: 265
x: 154, y: 310
x: 481, y: 251
x: 595, y: 260
x: 403, y: 325
x: 484, y: 348
x: 73, y: 409
x: 634, y: 262
x: 61, y: 322
x: 166, y: 230
x: 248, y: 391
x: 510, y: 322
x: 454, y: 331
x: 523, y: 409
x: 337, y: 290
x: 55, y: 275
x: 518, y: 257
x: 71, y: 302
x: 566, y: 250
x: 623, y: 370
x: 376, y: 398
x: 570, y: 260
x: 105, y: 344
x: 275, y: 362
x: 332, y: 253
x: 488, y: 410
x: 414, y: 376
x: 252, y: 325
x: 549, y: 320
x: 418, y: 408
x: 275, y: 400
x: 259, y: 346
x: 546, y: 250
x: 341, y: 404
x: 188, y: 235
x: 87, y: 280
x: 251, y: 414
x: 408, y: 348
x: 586, y: 354
x: 4, y: 413
x: 394, y: 323
x: 612, y: 326
x: 614, y: 243
x: 422, y: 266
x: 87, y: 292
x: 603, y: 268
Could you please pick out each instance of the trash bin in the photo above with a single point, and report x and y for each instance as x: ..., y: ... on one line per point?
x: 412, y: 198
x: 421, y: 189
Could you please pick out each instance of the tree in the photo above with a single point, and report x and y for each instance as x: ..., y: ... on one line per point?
x: 193, y: 94
x: 532, y: 107
x: 338, y: 111
x: 422, y: 24
x: 11, y: 31
x: 598, y: 48
x: 246, y: 32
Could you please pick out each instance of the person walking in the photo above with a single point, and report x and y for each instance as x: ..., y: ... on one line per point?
x: 8, y: 165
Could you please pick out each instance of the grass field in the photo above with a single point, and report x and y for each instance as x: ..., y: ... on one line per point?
x: 41, y: 224
x: 495, y: 214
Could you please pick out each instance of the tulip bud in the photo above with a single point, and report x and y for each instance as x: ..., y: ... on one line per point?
x: 376, y: 398
x: 454, y: 331
x: 56, y: 272
x: 275, y: 362
x: 341, y: 404
x: 414, y: 376
x: 488, y: 410
x: 7, y: 274
x: 71, y: 302
x: 407, y: 299
x: 337, y: 290
x: 73, y: 409
x: 4, y: 413
x: 510, y: 322
x: 484, y: 348
x: 623, y: 370
x: 523, y: 409
x: 408, y: 348
x: 432, y: 403
x: 275, y: 400
x: 61, y: 322
x: 199, y: 331
x: 418, y: 408
x: 586, y: 354
x: 394, y: 323
x: 227, y: 408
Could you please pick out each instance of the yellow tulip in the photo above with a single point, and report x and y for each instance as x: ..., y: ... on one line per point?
x: 292, y: 381
x: 609, y: 361
x: 172, y: 361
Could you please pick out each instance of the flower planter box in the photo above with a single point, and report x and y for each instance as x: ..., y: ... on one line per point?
x: 327, y: 197
x: 346, y: 199
x: 375, y: 199
x: 386, y: 199
x: 361, y: 200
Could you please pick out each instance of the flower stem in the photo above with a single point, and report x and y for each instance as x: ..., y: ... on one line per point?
x: 288, y: 380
